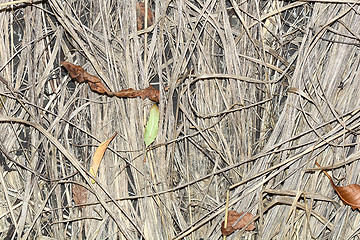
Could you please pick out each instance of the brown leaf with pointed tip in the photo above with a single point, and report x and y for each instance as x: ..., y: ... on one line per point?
x: 233, y: 217
x: 98, y: 155
x: 79, y: 194
x: 350, y: 194
x: 80, y: 75
x: 140, y: 16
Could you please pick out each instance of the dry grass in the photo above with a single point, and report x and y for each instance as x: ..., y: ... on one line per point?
x: 228, y: 121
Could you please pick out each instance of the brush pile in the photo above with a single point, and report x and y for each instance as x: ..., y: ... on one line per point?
x: 251, y: 94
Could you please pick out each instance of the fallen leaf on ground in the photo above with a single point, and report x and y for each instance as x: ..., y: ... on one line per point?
x: 152, y: 125
x: 233, y: 217
x: 98, y: 155
x: 350, y: 194
x: 80, y: 75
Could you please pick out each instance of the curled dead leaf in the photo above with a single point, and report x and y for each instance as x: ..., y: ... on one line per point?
x: 233, y: 217
x: 150, y: 93
x: 75, y: 71
x: 99, y: 88
x: 350, y: 194
x: 80, y: 75
x: 140, y: 16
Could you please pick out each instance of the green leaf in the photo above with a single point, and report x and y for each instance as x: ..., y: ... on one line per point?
x: 152, y: 125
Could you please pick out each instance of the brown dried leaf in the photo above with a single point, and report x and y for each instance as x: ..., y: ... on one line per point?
x: 90, y: 78
x: 149, y: 92
x: 233, y: 216
x: 140, y: 16
x: 80, y: 75
x: 98, y: 155
x: 76, y: 72
x: 99, y: 88
x: 350, y: 194
x: 79, y: 194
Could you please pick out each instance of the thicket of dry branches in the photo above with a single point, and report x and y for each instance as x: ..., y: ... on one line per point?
x: 251, y: 94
